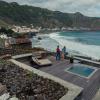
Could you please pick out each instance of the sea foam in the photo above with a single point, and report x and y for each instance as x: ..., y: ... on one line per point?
x: 85, y: 49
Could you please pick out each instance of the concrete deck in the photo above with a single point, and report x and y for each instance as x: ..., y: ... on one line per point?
x: 21, y: 56
x: 90, y: 85
x: 73, y: 90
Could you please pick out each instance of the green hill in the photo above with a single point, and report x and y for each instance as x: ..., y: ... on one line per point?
x: 13, y: 13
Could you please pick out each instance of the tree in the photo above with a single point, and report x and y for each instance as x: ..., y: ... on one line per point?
x: 3, y: 30
x: 10, y: 32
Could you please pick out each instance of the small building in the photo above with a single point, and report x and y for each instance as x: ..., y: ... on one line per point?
x: 24, y: 29
x: 3, y: 36
x: 20, y: 43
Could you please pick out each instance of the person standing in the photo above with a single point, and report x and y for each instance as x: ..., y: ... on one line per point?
x: 58, y: 56
x: 64, y: 52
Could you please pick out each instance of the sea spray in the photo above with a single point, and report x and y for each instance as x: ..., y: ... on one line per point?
x: 85, y: 49
x: 77, y: 43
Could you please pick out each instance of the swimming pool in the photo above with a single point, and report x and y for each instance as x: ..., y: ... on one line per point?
x: 81, y: 70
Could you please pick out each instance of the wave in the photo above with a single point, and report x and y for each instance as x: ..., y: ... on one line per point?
x: 85, y: 49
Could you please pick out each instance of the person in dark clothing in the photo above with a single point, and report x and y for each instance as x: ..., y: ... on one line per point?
x: 58, y: 55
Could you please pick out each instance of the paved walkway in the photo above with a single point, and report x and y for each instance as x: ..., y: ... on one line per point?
x: 90, y: 85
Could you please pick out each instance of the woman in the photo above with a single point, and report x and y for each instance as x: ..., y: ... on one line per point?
x: 64, y: 52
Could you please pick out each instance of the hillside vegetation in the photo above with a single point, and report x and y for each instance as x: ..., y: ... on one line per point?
x: 13, y: 13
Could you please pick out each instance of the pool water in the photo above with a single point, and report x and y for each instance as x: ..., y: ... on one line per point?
x: 82, y: 70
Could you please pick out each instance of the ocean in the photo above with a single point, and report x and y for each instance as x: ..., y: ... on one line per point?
x: 77, y: 43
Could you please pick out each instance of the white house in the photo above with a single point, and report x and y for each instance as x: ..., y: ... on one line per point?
x: 3, y: 36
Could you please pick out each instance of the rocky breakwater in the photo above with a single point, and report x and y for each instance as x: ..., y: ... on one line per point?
x: 29, y: 86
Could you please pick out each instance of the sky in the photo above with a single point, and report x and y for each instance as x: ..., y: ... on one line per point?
x: 86, y: 7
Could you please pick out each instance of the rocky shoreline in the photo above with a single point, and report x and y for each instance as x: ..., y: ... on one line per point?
x: 26, y: 85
